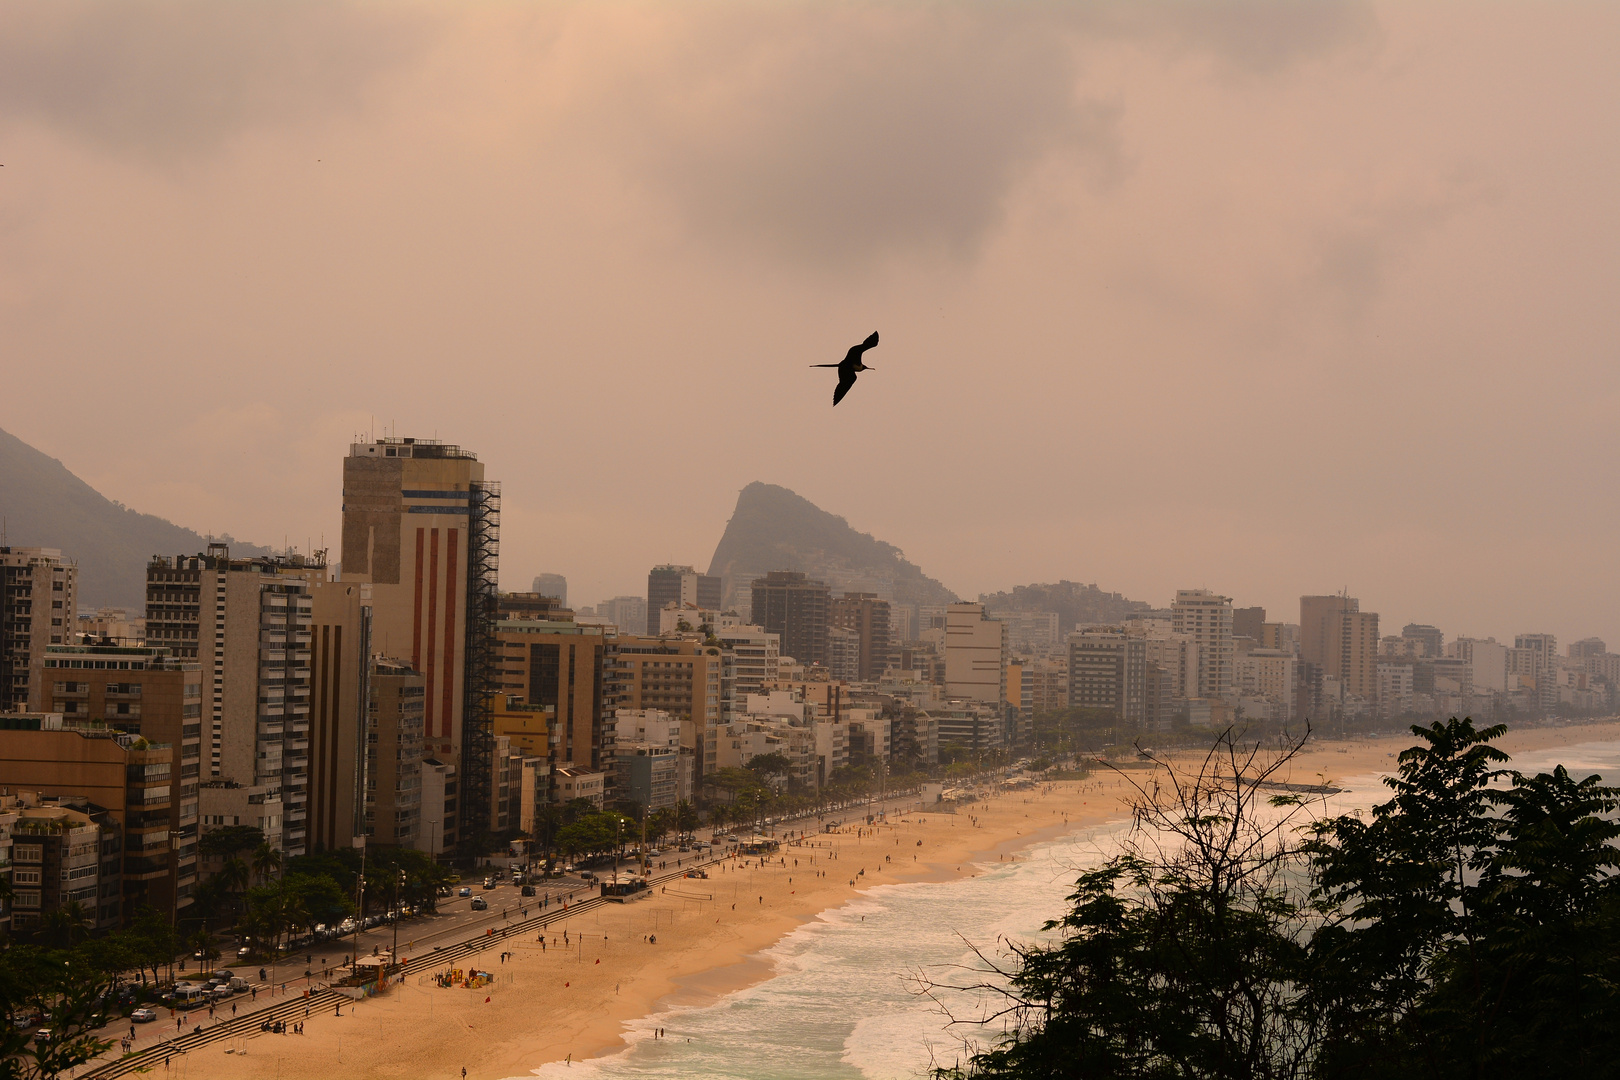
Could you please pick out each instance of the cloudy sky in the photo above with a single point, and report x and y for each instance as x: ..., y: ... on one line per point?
x: 1268, y: 298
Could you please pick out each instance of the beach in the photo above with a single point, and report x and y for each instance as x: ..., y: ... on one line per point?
x: 693, y: 941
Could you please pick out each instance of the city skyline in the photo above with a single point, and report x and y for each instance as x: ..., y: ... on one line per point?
x: 1273, y: 306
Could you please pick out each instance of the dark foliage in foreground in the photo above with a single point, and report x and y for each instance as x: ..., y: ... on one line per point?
x: 1460, y: 930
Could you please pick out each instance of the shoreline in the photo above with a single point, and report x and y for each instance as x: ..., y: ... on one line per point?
x: 551, y: 1005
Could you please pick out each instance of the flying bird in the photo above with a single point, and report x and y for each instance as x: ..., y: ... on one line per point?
x: 850, y: 366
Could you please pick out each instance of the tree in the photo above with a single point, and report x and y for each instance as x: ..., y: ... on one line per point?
x: 65, y: 925
x: 659, y: 822
x: 1464, y: 928
x: 266, y: 862
x: 686, y: 817
x: 1471, y: 929
x: 230, y: 840
x: 78, y: 998
x: 1177, y: 958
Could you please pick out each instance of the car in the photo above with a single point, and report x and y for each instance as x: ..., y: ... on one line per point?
x: 489, y: 883
x: 587, y: 875
x: 527, y: 890
x: 243, y: 953
x: 478, y: 904
x: 42, y: 1036
x: 464, y: 891
x: 143, y: 1016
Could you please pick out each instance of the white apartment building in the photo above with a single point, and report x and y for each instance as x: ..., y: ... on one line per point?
x: 1271, y: 675
x: 1206, y: 618
x: 1487, y: 659
x: 1394, y: 687
x: 749, y: 661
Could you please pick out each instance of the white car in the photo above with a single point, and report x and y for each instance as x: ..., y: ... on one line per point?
x: 143, y: 1016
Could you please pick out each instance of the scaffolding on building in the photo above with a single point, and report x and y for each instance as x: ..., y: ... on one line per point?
x: 483, y: 676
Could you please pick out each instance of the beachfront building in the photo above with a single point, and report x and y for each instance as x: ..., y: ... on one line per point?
x: 38, y: 606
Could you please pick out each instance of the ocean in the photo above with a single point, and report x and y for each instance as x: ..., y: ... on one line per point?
x: 842, y: 1002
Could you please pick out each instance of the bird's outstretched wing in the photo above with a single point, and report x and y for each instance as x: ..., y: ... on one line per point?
x: 855, y: 351
x: 846, y: 379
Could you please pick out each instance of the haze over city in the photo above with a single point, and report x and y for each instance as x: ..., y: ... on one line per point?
x: 1271, y: 299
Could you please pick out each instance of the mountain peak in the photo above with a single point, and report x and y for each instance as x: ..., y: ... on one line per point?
x: 774, y: 528
x: 45, y: 505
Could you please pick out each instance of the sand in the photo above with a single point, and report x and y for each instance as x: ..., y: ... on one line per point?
x: 548, y: 1004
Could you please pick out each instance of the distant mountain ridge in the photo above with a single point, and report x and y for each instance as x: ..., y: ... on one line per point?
x: 1073, y: 602
x: 45, y: 505
x: 773, y: 528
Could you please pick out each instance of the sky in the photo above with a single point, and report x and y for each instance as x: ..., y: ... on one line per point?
x: 1266, y: 298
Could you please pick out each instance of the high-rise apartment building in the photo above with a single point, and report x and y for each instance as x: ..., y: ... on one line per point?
x: 64, y: 849
x: 1486, y: 659
x: 145, y: 692
x: 551, y: 585
x: 1206, y: 618
x: 1108, y: 671
x: 1027, y: 631
x: 1247, y: 622
x: 129, y: 776
x: 248, y: 628
x: 1429, y: 638
x: 1543, y: 664
x: 1543, y: 648
x: 679, y: 585
x: 38, y: 607
x: 868, y: 616
x: 795, y: 608
x: 1342, y: 641
x: 844, y: 653
x: 975, y: 654
x: 1592, y: 646
x: 1358, y: 653
x: 421, y: 526
x: 340, y: 660
x: 566, y: 667
x: 1319, y: 628
x: 749, y: 660
x: 628, y: 613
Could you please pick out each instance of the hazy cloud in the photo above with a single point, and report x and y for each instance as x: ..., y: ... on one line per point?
x: 161, y: 78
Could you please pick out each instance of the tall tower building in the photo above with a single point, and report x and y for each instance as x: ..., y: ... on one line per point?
x: 787, y: 603
x: 340, y: 664
x: 1206, y: 618
x: 1247, y: 622
x: 1319, y: 629
x: 38, y: 605
x: 551, y: 585
x: 1341, y: 640
x: 681, y: 586
x: 1108, y: 670
x: 421, y: 526
x: 975, y: 654
x: 248, y: 628
x: 868, y: 617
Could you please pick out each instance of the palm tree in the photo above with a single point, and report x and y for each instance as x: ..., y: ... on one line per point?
x: 67, y: 925
x: 234, y: 877
x: 266, y: 861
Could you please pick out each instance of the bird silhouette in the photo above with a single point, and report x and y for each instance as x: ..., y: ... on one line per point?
x: 850, y: 366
